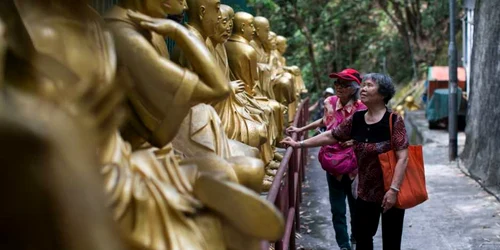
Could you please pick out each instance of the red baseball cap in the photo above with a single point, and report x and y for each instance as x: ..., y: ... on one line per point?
x: 347, y: 74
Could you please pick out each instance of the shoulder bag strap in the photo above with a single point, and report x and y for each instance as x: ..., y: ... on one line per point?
x: 390, y: 129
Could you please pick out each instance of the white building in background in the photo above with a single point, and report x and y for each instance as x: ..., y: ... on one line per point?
x: 468, y: 34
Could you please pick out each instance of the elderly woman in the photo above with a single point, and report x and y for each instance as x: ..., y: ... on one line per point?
x: 370, y: 131
x: 337, y: 109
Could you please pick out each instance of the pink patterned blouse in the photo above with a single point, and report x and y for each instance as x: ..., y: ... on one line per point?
x: 335, y: 113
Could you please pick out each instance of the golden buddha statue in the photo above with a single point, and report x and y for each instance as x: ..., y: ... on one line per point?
x: 262, y: 29
x: 202, y: 15
x: 242, y: 97
x: 242, y: 60
x: 300, y: 88
x: 283, y: 85
x: 265, y: 69
x: 201, y: 132
x: 158, y: 203
x: 281, y: 46
x: 160, y: 89
x: 137, y: 28
x: 50, y: 180
x: 236, y: 121
x: 409, y: 104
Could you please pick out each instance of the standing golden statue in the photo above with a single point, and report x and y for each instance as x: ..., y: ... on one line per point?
x: 158, y: 203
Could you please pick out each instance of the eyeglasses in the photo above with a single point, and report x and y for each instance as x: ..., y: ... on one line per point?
x: 341, y: 85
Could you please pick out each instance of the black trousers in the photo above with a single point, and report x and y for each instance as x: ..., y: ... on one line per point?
x: 367, y: 219
x: 338, y: 192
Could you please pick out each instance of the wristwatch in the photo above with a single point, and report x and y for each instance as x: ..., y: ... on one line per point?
x: 394, y: 189
x: 301, y: 144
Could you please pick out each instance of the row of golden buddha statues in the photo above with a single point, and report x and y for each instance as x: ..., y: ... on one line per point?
x: 182, y: 145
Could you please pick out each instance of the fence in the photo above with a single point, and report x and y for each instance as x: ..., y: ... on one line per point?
x: 286, y: 190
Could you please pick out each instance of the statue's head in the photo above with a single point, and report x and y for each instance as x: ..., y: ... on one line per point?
x: 243, y: 25
x: 158, y: 8
x: 262, y: 28
x: 281, y: 44
x: 206, y: 12
x: 270, y: 44
x: 225, y: 26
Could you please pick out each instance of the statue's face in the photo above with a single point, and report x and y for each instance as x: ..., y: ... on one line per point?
x: 282, y: 46
x: 262, y: 31
x: 211, y: 16
x: 270, y: 44
x: 249, y: 30
x: 223, y: 28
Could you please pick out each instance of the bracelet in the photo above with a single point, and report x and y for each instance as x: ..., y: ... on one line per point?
x: 301, y: 143
x: 394, y: 188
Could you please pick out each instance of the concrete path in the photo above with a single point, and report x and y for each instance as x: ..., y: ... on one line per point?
x: 458, y: 215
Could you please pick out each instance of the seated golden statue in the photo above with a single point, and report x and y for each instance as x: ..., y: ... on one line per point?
x: 242, y: 60
x: 266, y: 79
x: 281, y: 46
x: 202, y: 16
x: 283, y: 85
x: 46, y: 154
x: 159, y: 203
x: 236, y: 120
x: 138, y: 28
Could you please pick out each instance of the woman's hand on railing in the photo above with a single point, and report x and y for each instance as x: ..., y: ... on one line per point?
x: 292, y: 129
x: 290, y: 142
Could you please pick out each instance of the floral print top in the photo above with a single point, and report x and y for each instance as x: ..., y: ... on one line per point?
x: 335, y: 112
x: 370, y: 141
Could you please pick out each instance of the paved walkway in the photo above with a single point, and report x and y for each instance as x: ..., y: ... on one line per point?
x: 458, y: 215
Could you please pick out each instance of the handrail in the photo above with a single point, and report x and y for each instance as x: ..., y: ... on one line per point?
x: 286, y: 193
x: 273, y: 192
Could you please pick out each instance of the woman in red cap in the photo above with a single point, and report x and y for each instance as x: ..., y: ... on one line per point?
x: 338, y: 159
x: 371, y: 133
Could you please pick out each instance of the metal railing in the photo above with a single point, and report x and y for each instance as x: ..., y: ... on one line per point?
x: 286, y: 190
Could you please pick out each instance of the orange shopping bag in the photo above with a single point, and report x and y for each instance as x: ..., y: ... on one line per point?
x: 412, y: 190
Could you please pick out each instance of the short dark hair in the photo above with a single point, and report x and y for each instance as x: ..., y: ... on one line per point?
x: 385, y: 85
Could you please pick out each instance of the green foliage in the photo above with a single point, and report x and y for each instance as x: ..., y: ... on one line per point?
x: 357, y: 34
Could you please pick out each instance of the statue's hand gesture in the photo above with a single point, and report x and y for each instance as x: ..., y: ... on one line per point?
x: 161, y: 26
x: 238, y: 86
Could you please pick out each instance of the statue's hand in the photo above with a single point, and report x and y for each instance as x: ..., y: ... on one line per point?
x: 264, y: 67
x: 238, y: 86
x: 159, y: 25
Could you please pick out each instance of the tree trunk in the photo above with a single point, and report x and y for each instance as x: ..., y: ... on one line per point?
x: 481, y: 155
x: 310, y: 46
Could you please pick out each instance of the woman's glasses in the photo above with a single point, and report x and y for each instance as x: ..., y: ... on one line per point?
x: 341, y: 85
